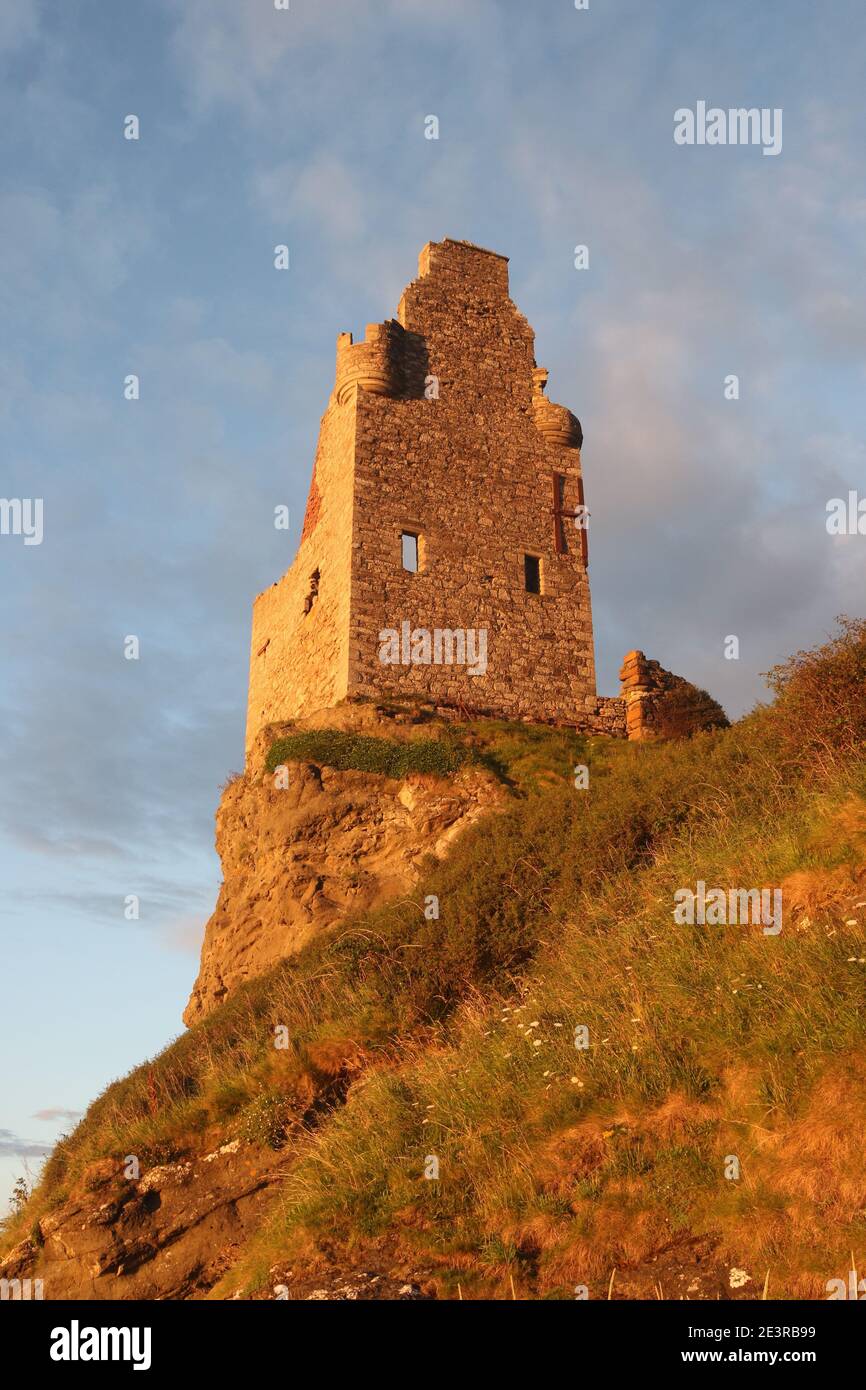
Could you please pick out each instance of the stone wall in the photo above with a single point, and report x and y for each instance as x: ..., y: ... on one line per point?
x: 472, y: 474
x: 299, y: 654
x: 604, y: 715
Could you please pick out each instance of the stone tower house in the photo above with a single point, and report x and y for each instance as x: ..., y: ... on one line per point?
x: 442, y: 554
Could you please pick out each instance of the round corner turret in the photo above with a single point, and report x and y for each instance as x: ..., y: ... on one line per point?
x: 376, y: 365
x: 555, y: 422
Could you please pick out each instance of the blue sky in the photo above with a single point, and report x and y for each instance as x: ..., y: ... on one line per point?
x: 155, y: 257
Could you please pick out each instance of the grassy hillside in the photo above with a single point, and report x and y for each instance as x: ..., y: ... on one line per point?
x: 413, y: 1038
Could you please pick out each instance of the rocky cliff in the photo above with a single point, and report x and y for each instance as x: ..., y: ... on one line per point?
x: 171, y: 1234
x: 302, y: 849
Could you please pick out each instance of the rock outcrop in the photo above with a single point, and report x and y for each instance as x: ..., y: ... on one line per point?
x: 169, y: 1235
x: 297, y: 859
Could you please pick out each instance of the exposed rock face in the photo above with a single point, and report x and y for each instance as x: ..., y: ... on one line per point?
x: 177, y: 1230
x: 295, y: 860
x: 172, y: 1234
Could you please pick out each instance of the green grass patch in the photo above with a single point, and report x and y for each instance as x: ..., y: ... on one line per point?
x: 348, y: 751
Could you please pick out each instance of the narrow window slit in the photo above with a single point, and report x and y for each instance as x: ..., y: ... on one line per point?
x: 532, y: 574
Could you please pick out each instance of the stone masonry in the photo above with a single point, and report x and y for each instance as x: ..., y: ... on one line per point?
x: 659, y: 704
x: 438, y: 436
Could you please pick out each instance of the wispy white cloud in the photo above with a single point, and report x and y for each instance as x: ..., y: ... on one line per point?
x: 253, y: 58
x: 13, y: 1146
x: 324, y: 191
x: 65, y: 255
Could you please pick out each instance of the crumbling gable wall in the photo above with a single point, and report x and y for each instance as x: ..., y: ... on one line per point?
x: 471, y: 471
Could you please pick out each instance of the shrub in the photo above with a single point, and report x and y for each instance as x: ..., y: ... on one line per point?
x: 820, y: 711
x: 365, y: 753
x: 265, y: 1120
x: 687, y: 710
x: 21, y: 1194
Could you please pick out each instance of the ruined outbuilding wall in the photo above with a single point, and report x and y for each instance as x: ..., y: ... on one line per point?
x: 659, y: 704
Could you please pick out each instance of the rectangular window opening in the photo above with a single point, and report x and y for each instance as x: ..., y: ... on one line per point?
x: 409, y: 544
x: 532, y: 574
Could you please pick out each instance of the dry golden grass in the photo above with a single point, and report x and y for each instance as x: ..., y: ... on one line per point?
x: 454, y: 1038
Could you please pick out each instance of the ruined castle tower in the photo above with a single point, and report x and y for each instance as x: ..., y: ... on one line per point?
x: 445, y: 499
